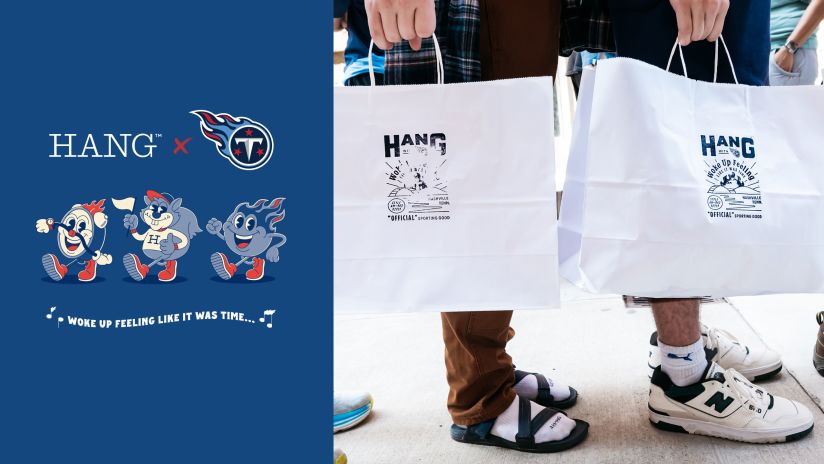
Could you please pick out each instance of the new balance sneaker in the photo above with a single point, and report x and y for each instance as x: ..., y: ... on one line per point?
x: 818, y: 354
x: 726, y: 405
x: 721, y: 347
x: 351, y: 408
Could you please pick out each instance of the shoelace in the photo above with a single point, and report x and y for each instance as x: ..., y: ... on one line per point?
x: 744, y: 390
x: 713, y: 336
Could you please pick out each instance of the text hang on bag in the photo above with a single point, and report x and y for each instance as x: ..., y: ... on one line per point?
x: 681, y: 188
x: 444, y: 197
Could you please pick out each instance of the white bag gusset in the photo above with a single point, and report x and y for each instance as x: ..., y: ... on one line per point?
x: 679, y: 188
x: 444, y: 197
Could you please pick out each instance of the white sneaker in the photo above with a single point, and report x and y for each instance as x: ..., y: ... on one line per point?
x: 721, y: 347
x: 351, y: 408
x: 726, y: 405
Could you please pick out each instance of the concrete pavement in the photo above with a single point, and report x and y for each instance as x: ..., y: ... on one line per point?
x: 595, y: 344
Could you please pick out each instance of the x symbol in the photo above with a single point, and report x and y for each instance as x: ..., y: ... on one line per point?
x: 181, y: 146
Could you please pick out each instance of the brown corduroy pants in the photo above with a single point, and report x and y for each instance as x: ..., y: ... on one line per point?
x: 518, y: 39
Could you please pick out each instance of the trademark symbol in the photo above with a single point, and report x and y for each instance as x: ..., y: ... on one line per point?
x: 158, y: 136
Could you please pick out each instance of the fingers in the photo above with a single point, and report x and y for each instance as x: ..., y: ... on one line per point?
x: 783, y: 59
x: 417, y: 25
x: 684, y: 19
x: 390, y: 27
x: 373, y: 17
x: 406, y: 24
x: 425, y: 21
x: 710, y: 16
x: 718, y: 27
x: 390, y: 23
x: 698, y: 18
x: 415, y: 43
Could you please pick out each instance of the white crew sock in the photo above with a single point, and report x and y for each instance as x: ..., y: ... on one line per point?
x: 556, y: 428
x: 528, y: 388
x: 683, y: 364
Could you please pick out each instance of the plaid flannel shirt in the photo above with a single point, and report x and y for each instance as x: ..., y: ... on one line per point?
x: 458, y: 27
x: 585, y: 25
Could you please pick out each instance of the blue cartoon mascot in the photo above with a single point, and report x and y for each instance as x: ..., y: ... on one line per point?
x: 249, y: 232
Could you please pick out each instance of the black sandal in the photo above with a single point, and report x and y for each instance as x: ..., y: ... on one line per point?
x: 479, y: 434
x: 544, y: 396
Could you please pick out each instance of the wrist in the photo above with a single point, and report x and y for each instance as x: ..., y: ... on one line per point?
x: 791, y: 46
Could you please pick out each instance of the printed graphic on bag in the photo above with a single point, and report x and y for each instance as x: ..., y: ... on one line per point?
x: 734, y: 191
x: 415, y: 176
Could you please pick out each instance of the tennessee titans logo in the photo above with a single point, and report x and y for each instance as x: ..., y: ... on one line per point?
x: 245, y: 143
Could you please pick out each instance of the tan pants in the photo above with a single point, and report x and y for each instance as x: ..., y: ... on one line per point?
x: 518, y: 39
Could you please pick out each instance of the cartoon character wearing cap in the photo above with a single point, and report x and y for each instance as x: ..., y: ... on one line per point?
x: 171, y: 228
x: 249, y: 232
x: 75, y: 239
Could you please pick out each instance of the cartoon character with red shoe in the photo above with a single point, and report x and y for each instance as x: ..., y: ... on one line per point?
x: 170, y: 233
x: 249, y: 232
x: 76, y: 239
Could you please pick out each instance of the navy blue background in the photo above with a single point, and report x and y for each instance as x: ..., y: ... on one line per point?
x: 200, y: 391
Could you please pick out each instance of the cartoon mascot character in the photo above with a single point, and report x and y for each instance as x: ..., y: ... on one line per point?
x: 170, y: 233
x: 77, y: 238
x: 249, y: 232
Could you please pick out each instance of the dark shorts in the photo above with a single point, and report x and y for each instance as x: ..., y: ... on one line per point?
x: 646, y: 30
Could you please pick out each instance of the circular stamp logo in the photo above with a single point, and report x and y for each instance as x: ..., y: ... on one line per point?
x: 396, y: 205
x: 715, y: 202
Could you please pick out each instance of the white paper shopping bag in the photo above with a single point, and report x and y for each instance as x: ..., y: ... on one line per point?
x: 681, y: 188
x: 445, y: 197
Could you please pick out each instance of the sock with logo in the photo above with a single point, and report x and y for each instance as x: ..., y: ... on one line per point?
x: 556, y: 428
x: 528, y: 388
x: 683, y: 364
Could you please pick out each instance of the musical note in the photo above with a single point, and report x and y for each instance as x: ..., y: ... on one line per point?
x: 270, y: 313
x: 49, y: 316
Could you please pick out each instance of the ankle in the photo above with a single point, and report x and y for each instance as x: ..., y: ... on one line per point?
x: 685, y: 365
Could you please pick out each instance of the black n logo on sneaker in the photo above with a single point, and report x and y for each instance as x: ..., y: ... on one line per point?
x: 719, y: 401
